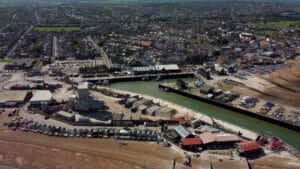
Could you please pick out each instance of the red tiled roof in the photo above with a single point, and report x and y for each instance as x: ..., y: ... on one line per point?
x: 191, y: 141
x: 146, y: 43
x: 246, y: 146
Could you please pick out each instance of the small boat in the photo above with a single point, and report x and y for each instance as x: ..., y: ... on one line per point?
x: 158, y: 78
x: 145, y: 78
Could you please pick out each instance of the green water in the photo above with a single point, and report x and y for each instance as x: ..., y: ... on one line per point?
x: 151, y: 88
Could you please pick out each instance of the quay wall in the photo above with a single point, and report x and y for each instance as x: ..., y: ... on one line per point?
x: 140, y: 77
x: 236, y: 109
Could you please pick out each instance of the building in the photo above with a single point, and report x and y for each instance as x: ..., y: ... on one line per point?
x: 70, y: 117
x: 226, y: 140
x: 41, y: 97
x: 24, y: 64
x: 14, y: 98
x: 170, y: 68
x: 208, y: 140
x: 183, y: 132
x: 248, y: 148
x: 83, y: 102
x: 191, y: 143
x: 166, y: 68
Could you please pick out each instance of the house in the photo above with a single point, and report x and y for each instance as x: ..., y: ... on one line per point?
x: 248, y: 148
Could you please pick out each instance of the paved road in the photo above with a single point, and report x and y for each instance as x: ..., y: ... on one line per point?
x: 106, y: 59
x: 54, y: 48
x: 14, y: 47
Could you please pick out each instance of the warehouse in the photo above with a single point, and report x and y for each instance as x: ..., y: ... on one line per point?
x: 191, y: 143
x: 41, y: 97
x: 208, y: 140
x: 170, y: 68
x: 14, y: 98
x: 226, y: 140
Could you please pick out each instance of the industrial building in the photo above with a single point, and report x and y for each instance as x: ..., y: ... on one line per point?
x: 168, y: 68
x: 14, y: 98
x: 83, y: 102
x: 41, y: 97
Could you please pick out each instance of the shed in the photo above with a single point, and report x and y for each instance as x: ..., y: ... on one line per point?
x: 207, y: 138
x: 190, y: 143
x: 195, y: 141
x: 65, y: 116
x: 183, y: 132
x: 247, y: 147
x: 227, y: 137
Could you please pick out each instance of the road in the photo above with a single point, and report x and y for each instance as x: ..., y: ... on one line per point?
x: 54, y: 48
x: 106, y: 59
x: 14, y: 47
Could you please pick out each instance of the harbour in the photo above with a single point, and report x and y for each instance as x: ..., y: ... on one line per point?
x: 291, y: 137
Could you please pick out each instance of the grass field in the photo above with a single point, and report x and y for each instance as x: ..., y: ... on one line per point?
x: 279, y: 24
x: 56, y: 28
x: 7, y: 60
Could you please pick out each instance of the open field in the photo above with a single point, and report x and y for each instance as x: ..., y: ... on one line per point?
x: 281, y: 86
x: 56, y: 28
x: 7, y: 60
x: 279, y: 24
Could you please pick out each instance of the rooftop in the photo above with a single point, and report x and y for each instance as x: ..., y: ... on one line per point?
x: 191, y: 141
x: 41, y: 95
x: 182, y: 131
x: 246, y: 146
x: 12, y: 96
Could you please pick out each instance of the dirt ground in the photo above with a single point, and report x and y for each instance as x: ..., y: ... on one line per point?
x: 25, y: 150
x: 275, y: 162
x: 281, y: 86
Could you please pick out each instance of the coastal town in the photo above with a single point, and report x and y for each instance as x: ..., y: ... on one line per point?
x: 212, y: 84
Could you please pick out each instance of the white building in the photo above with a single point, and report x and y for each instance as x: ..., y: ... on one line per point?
x: 41, y: 97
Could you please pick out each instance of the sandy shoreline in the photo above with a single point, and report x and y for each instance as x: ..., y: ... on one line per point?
x: 183, y: 111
